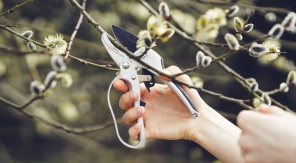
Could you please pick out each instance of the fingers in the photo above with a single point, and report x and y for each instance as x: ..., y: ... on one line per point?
x: 120, y: 85
x: 175, y: 70
x: 127, y: 100
x: 246, y: 118
x: 246, y: 143
x: 263, y: 108
x: 132, y: 115
x: 135, y: 131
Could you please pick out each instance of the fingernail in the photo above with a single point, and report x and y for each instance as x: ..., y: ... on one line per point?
x: 132, y: 95
x: 140, y: 110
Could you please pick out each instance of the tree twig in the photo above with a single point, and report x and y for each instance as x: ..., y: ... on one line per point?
x: 43, y: 46
x: 20, y: 53
x: 21, y: 108
x: 271, y: 9
x: 15, y: 7
x: 247, y: 20
x: 75, y: 31
x: 208, y: 52
x: 130, y: 54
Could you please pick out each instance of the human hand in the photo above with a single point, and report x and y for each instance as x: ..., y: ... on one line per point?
x: 165, y: 116
x: 268, y: 135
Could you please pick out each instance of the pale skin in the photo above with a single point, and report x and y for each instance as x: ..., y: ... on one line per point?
x: 166, y: 117
x: 268, y: 136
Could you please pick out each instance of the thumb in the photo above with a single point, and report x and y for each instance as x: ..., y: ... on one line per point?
x: 175, y: 70
x: 263, y: 108
x: 166, y: 72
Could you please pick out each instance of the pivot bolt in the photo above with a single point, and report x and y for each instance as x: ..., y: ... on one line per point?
x: 133, y: 77
x: 125, y: 65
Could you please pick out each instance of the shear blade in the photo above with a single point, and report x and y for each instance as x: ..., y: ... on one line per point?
x: 125, y: 38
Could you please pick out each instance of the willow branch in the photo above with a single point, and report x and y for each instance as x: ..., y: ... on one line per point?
x: 4, y: 27
x: 22, y: 107
x: 75, y: 31
x: 247, y: 20
x: 206, y: 51
x: 65, y: 128
x: 43, y: 46
x: 130, y: 54
x: 270, y: 9
x: 20, y: 53
x: 240, y: 102
x: 278, y: 90
x: 15, y: 7
x: 211, y: 44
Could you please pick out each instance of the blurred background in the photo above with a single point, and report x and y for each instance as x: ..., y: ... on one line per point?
x: 24, y: 140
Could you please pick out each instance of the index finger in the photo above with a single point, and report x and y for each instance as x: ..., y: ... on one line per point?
x: 120, y: 85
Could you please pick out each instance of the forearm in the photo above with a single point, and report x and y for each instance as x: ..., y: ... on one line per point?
x: 218, y: 136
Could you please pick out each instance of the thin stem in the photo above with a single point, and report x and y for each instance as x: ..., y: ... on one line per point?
x: 245, y: 48
x: 15, y: 7
x: 43, y: 46
x: 206, y: 51
x: 271, y: 9
x: 93, y: 64
x: 211, y: 44
x: 130, y: 54
x: 19, y: 35
x: 22, y: 107
x: 74, y: 32
x: 240, y: 102
x: 20, y: 53
x: 87, y: 17
x: 221, y: 45
x: 185, y: 71
x: 246, y: 22
x: 11, y: 26
x: 65, y: 128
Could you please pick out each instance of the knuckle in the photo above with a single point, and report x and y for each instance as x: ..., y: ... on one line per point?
x: 243, y: 117
x: 127, y: 118
x: 133, y: 133
x: 124, y: 102
x: 174, y: 69
x: 246, y: 143
x: 132, y: 115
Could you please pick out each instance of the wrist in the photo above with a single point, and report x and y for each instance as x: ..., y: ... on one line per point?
x: 191, y: 131
x: 217, y: 135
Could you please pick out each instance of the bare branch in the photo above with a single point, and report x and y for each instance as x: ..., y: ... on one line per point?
x: 43, y: 46
x: 130, y: 54
x: 15, y: 7
x: 270, y: 9
x: 20, y: 53
x: 75, y: 31
x: 206, y: 51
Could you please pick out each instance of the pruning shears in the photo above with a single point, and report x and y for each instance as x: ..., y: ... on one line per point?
x: 129, y: 73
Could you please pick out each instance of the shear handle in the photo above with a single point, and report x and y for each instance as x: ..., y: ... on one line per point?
x: 183, y: 96
x: 133, y: 84
x: 156, y: 60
